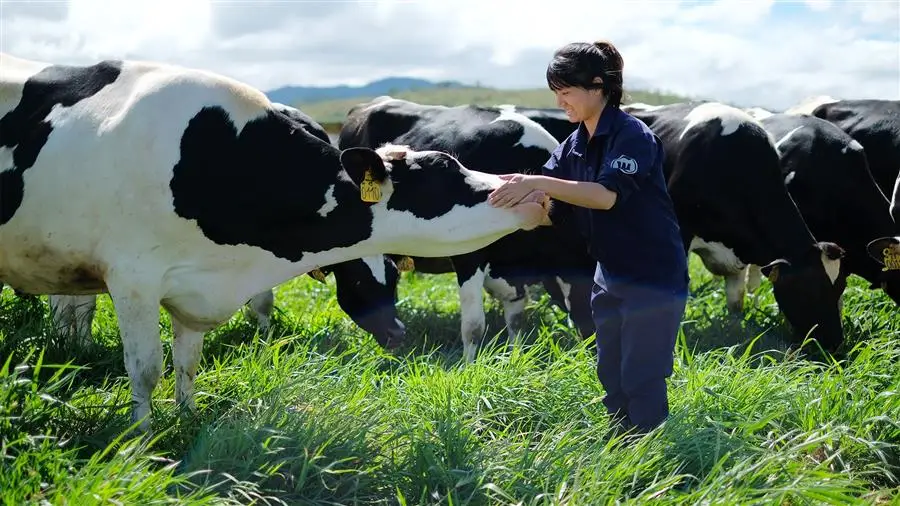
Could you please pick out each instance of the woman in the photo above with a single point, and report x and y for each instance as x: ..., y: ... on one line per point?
x: 607, y: 181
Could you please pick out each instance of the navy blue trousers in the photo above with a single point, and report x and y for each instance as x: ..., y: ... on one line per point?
x: 636, y: 327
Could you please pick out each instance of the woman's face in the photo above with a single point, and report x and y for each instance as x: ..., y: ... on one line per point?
x: 580, y: 104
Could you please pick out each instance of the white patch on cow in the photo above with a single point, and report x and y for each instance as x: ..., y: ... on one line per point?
x: 640, y: 106
x: 330, y: 203
x: 832, y: 268
x: 533, y: 135
x: 758, y: 113
x: 717, y: 257
x: 730, y: 117
x: 809, y: 104
x: 789, y: 177
x: 852, y: 145
x: 786, y: 137
x: 471, y: 308
x: 566, y: 290
x: 376, y: 265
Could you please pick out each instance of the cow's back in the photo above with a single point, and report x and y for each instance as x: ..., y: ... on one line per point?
x: 88, y: 154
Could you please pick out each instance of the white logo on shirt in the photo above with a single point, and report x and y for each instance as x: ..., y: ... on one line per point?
x: 625, y: 164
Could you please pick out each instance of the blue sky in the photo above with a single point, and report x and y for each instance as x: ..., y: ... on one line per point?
x: 748, y: 52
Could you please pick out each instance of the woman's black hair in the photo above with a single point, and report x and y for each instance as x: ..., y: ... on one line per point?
x: 578, y: 63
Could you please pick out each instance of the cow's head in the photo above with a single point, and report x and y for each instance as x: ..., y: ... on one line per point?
x: 425, y: 203
x: 367, y: 291
x: 808, y: 290
x: 886, y: 251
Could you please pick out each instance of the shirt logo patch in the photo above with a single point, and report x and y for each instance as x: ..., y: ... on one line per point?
x: 625, y: 164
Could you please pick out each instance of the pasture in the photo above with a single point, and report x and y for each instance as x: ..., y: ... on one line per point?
x: 317, y: 413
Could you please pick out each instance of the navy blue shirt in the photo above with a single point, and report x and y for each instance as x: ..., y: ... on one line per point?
x: 638, y: 240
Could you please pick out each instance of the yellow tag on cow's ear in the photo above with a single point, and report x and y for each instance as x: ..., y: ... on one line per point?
x: 318, y: 275
x: 370, y: 191
x: 406, y: 264
x: 891, y: 259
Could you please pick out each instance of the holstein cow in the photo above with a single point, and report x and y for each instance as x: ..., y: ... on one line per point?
x: 875, y: 124
x: 827, y: 174
x: 365, y: 288
x: 496, y: 140
x: 733, y: 208
x: 163, y: 185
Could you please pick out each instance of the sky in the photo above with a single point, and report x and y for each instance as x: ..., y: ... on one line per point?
x: 746, y: 52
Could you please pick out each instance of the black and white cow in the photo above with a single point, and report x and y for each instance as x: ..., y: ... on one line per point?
x: 827, y: 174
x: 725, y: 181
x: 496, y: 140
x: 163, y: 185
x: 875, y: 124
x: 365, y: 288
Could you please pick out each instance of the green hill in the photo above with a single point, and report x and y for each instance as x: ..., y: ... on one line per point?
x: 330, y: 112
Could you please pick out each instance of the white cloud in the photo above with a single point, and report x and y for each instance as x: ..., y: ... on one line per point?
x: 750, y: 52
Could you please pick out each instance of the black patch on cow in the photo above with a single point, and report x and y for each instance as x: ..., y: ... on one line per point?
x: 25, y: 128
x: 432, y: 174
x: 876, y: 125
x: 263, y: 186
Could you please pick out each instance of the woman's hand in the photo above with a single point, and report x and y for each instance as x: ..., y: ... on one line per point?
x: 517, y: 188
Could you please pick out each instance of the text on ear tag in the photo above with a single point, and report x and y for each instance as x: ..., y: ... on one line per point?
x: 370, y: 191
x: 891, y: 259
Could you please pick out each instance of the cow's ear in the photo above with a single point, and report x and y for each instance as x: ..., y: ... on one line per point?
x: 885, y: 251
x: 363, y: 164
x: 772, y: 269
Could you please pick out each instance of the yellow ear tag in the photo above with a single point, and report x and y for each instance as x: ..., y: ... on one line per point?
x: 891, y: 259
x: 370, y: 191
x: 406, y: 264
x: 318, y: 275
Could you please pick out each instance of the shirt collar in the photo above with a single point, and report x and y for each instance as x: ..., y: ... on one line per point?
x: 604, y: 124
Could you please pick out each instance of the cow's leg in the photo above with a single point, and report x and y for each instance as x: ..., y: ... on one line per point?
x: 262, y: 304
x: 73, y: 313
x: 471, y: 308
x: 137, y: 307
x: 735, y: 291
x: 513, y: 299
x: 186, y: 357
x: 754, y: 277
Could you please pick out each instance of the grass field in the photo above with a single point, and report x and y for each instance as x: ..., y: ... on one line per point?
x: 334, y: 111
x: 316, y: 413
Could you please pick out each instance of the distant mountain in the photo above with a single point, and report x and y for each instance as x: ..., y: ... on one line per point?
x: 295, y: 94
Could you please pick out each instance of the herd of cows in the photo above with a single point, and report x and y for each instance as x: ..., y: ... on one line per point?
x: 162, y: 185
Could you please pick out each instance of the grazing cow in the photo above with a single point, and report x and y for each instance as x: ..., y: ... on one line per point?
x: 365, y: 288
x: 827, y: 175
x: 734, y: 209
x: 164, y: 185
x: 496, y: 140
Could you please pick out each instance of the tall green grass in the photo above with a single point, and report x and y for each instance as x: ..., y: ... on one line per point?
x: 316, y: 413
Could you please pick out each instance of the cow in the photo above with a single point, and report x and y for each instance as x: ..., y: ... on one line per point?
x: 496, y: 140
x: 365, y: 288
x: 725, y: 181
x: 183, y: 188
x: 827, y: 174
x: 875, y: 124
x: 724, y: 176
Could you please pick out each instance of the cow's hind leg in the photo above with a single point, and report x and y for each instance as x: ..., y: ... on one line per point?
x: 262, y: 304
x: 186, y: 358
x: 471, y: 308
x: 513, y: 297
